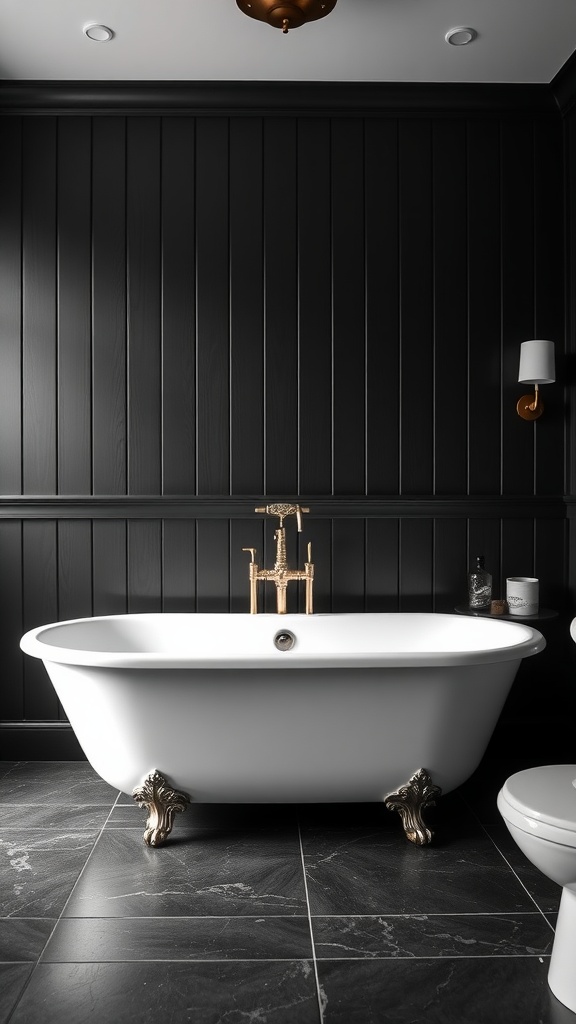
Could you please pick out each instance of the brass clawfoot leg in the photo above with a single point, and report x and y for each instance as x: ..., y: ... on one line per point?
x: 410, y: 800
x: 162, y: 803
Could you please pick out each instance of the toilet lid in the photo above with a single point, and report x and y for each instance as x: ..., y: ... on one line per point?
x: 546, y: 794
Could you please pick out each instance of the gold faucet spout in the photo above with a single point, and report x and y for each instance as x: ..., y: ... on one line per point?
x: 281, y: 575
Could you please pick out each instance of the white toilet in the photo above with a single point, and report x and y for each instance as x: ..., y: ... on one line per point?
x: 539, y: 808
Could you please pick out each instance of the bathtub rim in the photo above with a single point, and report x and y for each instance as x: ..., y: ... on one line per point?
x: 532, y: 643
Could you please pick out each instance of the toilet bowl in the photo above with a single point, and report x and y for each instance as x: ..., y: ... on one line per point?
x: 539, y: 808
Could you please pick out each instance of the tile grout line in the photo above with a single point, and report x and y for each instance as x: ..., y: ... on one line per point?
x: 314, y: 961
x: 60, y: 916
x: 82, y: 870
x: 516, y: 876
x: 508, y: 864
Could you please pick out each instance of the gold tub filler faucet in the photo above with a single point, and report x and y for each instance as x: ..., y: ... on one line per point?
x: 281, y: 575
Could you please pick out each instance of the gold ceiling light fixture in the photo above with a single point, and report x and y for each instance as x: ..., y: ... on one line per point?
x: 290, y: 14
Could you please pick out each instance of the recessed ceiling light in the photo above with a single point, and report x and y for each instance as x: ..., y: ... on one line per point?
x: 460, y: 36
x: 99, y: 33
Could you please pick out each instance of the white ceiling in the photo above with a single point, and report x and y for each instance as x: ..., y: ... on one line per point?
x: 361, y: 40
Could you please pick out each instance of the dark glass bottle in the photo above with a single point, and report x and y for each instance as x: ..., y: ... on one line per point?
x: 479, y: 586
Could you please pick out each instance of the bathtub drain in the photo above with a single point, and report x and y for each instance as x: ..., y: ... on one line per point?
x: 284, y: 640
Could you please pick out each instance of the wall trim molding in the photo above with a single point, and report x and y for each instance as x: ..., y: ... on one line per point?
x: 287, y: 98
x: 216, y: 507
x: 39, y: 741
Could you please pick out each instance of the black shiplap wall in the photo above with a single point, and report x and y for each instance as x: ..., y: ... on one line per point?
x: 199, y: 312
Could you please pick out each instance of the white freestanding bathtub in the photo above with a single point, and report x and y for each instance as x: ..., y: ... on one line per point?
x: 352, y: 712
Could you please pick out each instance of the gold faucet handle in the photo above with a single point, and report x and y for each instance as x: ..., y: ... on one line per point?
x: 284, y: 510
x: 252, y: 553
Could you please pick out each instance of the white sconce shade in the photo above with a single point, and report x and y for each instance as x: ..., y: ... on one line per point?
x: 537, y: 362
x: 536, y: 367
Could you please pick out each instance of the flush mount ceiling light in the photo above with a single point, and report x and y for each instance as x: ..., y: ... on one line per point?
x: 460, y: 36
x: 99, y: 33
x: 291, y: 14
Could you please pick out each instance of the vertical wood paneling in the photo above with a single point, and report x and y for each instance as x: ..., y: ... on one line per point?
x: 348, y: 303
x: 179, y: 565
x: 144, y: 565
x: 517, y: 301
x: 213, y: 343
x: 246, y: 307
x: 484, y: 309
x: 74, y: 569
x: 348, y: 565
x: 450, y: 308
x: 74, y: 312
x: 416, y: 416
x: 551, y: 561
x: 518, y: 549
x: 314, y: 307
x: 40, y: 605
x: 570, y: 331
x: 110, y: 566
x: 382, y: 565
x: 109, y: 414
x: 416, y: 584
x: 382, y: 308
x: 281, y: 290
x: 11, y: 622
x: 178, y: 307
x: 549, y: 299
x: 39, y: 305
x: 331, y: 394
x: 143, y: 296
x: 11, y: 299
x: 450, y: 564
x: 212, y: 565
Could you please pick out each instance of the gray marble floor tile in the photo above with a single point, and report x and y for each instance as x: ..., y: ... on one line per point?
x: 362, y: 871
x: 542, y: 889
x: 38, y: 870
x: 13, y: 978
x: 7, y: 766
x: 208, y: 874
x: 23, y: 939
x: 56, y: 782
x: 81, y: 940
x: 440, y: 935
x: 499, y: 990
x: 203, y: 993
x: 53, y: 816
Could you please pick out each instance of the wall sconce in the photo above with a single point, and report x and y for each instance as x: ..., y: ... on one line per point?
x: 536, y: 367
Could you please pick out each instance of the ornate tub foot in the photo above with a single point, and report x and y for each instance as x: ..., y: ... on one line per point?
x: 162, y: 803
x: 410, y: 800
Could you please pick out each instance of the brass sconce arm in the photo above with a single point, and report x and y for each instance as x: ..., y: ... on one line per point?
x: 530, y: 407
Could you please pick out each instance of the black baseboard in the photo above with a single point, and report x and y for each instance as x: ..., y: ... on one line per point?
x: 39, y: 741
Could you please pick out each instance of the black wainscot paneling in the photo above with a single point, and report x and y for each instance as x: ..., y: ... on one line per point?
x: 219, y: 295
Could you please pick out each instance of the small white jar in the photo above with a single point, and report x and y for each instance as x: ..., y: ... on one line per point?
x: 522, y: 595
